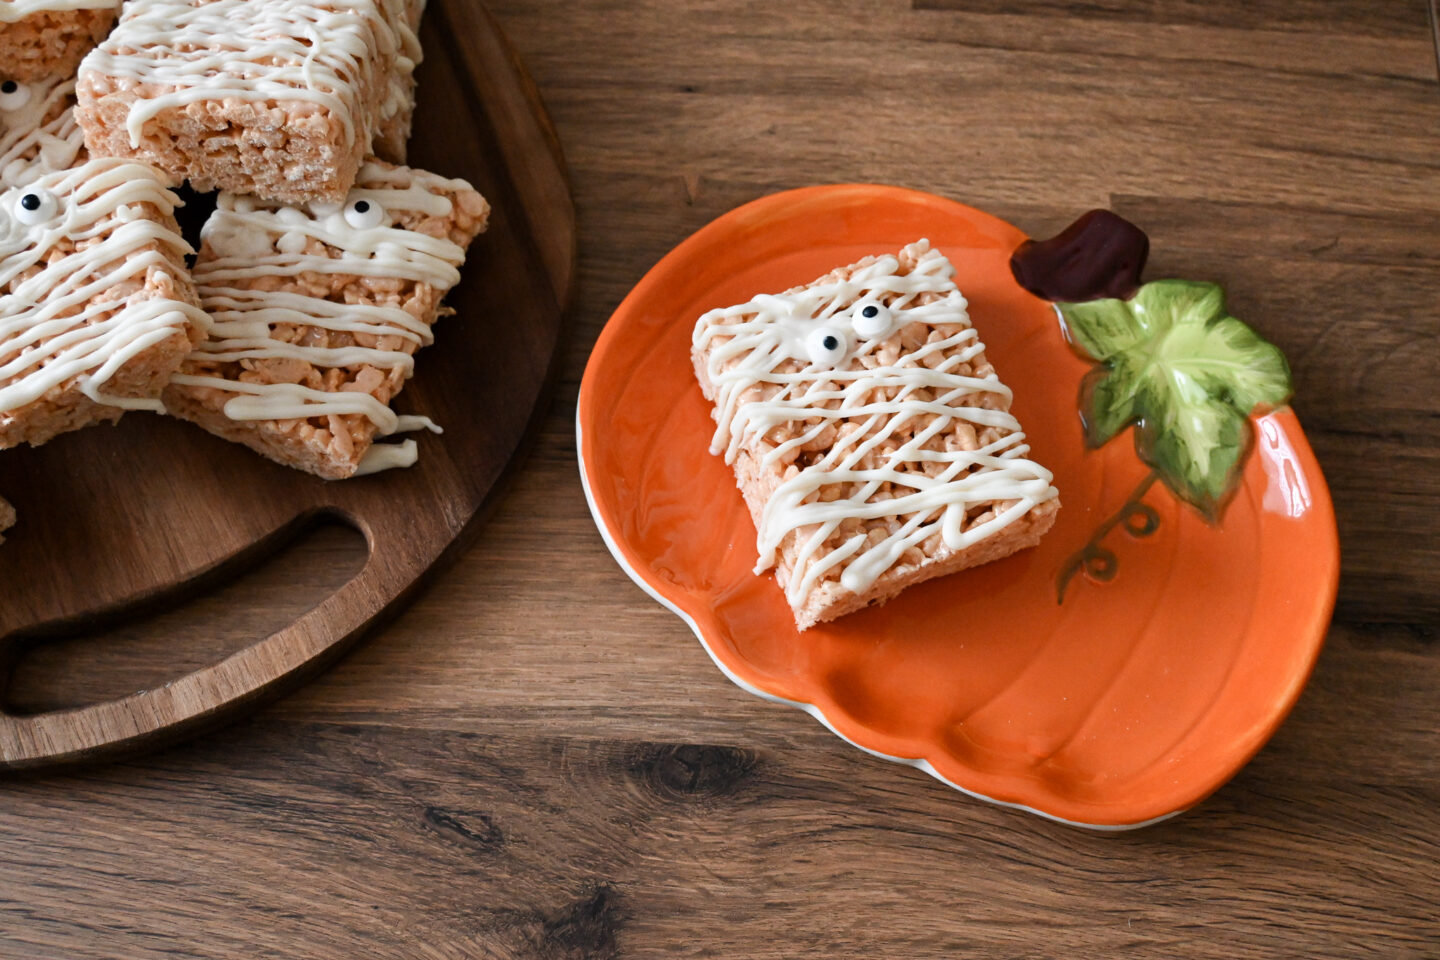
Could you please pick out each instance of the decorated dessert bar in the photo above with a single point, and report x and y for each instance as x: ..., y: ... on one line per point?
x: 45, y: 39
x: 869, y: 434
x: 38, y: 133
x: 318, y: 311
x: 97, y: 309
x: 278, y: 99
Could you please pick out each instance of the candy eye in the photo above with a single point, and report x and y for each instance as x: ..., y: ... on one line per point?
x: 35, y: 205
x: 826, y: 346
x: 871, y: 320
x: 13, y: 95
x: 364, y: 214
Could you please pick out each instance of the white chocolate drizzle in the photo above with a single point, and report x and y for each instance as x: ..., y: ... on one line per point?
x: 250, y: 239
x: 325, y: 53
x: 12, y: 11
x: 387, y: 456
x: 759, y: 361
x: 29, y: 143
x: 400, y: 89
x: 54, y: 325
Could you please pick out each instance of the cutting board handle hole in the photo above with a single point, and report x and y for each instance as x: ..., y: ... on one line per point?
x: 188, y: 629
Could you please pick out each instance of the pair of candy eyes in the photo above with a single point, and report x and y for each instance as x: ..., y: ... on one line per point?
x: 37, y: 206
x: 359, y: 214
x: 827, y: 346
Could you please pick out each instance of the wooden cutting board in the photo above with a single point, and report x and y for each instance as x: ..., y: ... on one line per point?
x: 118, y: 520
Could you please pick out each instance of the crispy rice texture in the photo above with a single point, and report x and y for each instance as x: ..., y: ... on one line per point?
x: 65, y: 407
x: 51, y: 42
x: 290, y: 151
x: 928, y: 559
x: 392, y: 137
x: 333, y: 445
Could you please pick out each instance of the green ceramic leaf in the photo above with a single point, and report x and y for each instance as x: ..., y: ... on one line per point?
x: 1229, y: 360
x: 1163, y: 304
x: 1196, y: 449
x: 1107, y: 404
x: 1187, y: 372
x: 1102, y: 328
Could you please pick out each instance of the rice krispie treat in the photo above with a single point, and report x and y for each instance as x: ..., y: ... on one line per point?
x: 869, y: 434
x: 96, y: 306
x: 318, y: 311
x: 276, y: 98
x: 38, y: 133
x: 392, y: 136
x: 45, y: 39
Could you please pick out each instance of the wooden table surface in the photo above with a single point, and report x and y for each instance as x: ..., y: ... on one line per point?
x: 536, y: 760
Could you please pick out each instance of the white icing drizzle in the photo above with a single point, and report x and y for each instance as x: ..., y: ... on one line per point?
x: 30, y: 145
x: 50, y: 328
x: 15, y: 10
x: 387, y: 456
x: 748, y: 344
x: 250, y: 239
x: 414, y: 421
x: 400, y: 90
x: 328, y: 54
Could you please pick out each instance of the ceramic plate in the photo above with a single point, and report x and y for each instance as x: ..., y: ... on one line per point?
x: 1129, y: 701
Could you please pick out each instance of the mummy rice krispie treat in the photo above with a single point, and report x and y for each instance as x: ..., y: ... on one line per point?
x: 96, y: 306
x: 318, y: 311
x: 38, y: 133
x: 45, y: 39
x: 279, y: 99
x: 869, y: 434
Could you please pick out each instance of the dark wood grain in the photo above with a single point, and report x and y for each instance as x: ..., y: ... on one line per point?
x: 535, y: 760
x: 1435, y: 30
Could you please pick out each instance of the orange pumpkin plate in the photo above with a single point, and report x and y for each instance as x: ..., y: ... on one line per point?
x: 1130, y: 701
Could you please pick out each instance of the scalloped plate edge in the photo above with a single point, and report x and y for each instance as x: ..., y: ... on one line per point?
x: 919, y: 763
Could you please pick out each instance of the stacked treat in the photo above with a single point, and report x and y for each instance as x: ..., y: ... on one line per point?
x: 320, y: 272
